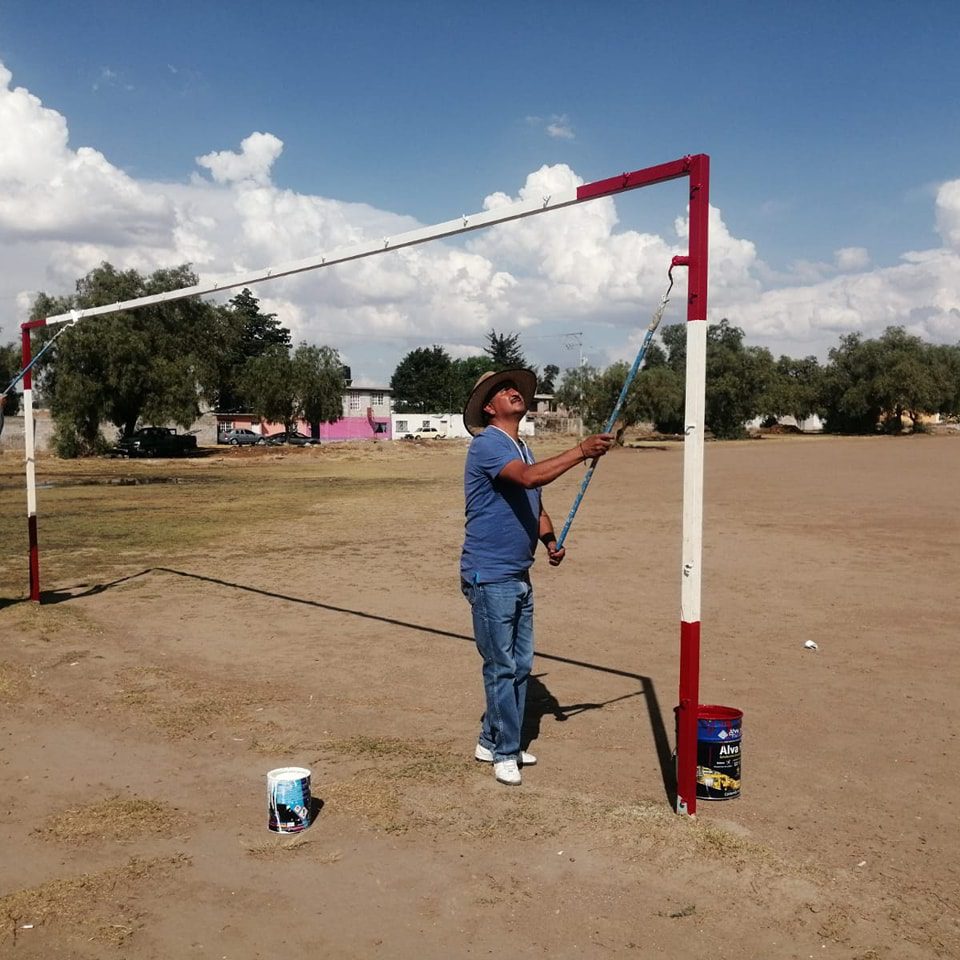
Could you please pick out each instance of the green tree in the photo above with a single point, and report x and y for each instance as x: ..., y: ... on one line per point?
x: 548, y: 379
x: 465, y: 372
x: 10, y: 357
x: 144, y: 365
x: 318, y: 384
x: 795, y: 389
x: 242, y: 331
x: 849, y: 401
x: 912, y: 378
x: 655, y: 395
x: 738, y: 377
x: 659, y: 394
x: 423, y: 382
x: 575, y: 389
x: 601, y: 392
x: 504, y: 350
x: 947, y: 360
x: 266, y: 386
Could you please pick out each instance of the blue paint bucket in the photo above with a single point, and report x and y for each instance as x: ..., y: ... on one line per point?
x: 718, y: 752
x: 288, y: 799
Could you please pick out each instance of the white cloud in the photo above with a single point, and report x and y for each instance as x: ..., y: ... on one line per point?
x: 948, y: 214
x: 849, y: 259
x: 253, y: 162
x: 64, y: 209
x: 557, y: 127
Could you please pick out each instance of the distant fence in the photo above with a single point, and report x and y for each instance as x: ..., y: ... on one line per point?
x: 11, y: 440
x: 554, y: 424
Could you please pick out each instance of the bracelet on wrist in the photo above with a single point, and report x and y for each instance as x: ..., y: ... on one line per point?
x: 582, y: 454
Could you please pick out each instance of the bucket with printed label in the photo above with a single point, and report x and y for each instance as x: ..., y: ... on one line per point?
x: 288, y: 799
x: 718, y: 752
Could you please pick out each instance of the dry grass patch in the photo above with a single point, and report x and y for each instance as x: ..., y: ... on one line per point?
x: 282, y: 846
x: 416, y: 786
x: 367, y: 796
x: 404, y: 759
x: 99, y: 514
x: 115, y: 818
x: 386, y: 794
x: 181, y: 707
x: 11, y: 682
x: 94, y: 906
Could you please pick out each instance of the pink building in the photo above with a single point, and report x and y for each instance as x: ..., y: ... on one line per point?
x: 366, y: 416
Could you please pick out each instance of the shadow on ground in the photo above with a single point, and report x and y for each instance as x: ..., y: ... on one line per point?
x: 540, y: 701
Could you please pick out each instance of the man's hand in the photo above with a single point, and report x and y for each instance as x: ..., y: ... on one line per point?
x: 555, y: 556
x: 596, y: 445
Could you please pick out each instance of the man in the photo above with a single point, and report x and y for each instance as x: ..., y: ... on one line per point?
x: 504, y: 520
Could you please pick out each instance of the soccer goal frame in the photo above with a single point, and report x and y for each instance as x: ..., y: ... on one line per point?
x: 696, y: 168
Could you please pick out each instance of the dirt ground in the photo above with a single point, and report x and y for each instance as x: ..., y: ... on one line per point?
x: 303, y: 608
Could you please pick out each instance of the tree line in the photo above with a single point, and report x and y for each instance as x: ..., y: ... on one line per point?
x: 866, y: 385
x: 157, y: 364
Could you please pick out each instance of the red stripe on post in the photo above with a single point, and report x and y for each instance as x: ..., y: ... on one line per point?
x: 698, y: 243
x: 687, y: 717
x: 34, y: 557
x: 25, y: 356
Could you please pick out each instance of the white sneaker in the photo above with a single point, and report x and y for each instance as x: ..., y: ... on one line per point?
x: 486, y: 756
x: 507, y: 771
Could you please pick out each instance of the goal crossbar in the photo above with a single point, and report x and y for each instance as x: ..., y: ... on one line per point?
x: 450, y: 228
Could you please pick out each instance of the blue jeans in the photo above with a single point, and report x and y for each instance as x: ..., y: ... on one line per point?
x: 503, y: 628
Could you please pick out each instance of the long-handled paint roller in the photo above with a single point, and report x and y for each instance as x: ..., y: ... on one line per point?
x: 631, y: 375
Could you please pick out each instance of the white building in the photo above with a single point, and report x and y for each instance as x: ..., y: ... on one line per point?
x: 448, y: 426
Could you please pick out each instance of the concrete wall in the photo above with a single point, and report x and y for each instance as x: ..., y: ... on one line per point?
x: 12, y: 439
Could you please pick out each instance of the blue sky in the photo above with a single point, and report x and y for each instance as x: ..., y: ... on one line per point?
x: 833, y: 132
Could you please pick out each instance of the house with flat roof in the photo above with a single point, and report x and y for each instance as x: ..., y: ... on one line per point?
x: 366, y: 413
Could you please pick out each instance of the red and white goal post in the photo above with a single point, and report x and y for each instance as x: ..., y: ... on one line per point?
x: 697, y: 168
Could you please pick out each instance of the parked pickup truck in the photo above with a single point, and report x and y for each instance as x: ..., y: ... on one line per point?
x: 156, y: 442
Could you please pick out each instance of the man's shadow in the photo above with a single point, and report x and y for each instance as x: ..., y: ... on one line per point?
x: 540, y: 702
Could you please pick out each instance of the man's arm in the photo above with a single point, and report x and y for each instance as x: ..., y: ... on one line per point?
x: 530, y: 475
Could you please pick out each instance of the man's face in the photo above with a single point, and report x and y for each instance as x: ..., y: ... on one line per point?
x: 506, y: 402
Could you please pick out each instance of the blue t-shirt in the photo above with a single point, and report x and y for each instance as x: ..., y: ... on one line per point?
x: 503, y: 518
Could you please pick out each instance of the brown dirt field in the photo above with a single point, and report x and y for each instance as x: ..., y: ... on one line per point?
x: 304, y: 609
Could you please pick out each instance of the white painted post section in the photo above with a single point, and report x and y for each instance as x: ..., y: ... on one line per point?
x: 694, y: 408
x: 692, y: 555
x: 30, y: 452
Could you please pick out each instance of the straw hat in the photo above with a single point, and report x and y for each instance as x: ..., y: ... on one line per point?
x: 489, y: 384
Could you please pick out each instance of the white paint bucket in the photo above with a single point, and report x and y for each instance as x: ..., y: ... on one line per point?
x: 288, y: 799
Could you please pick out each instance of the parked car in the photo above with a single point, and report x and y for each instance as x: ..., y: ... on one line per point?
x: 292, y: 437
x: 156, y: 442
x: 427, y: 433
x: 241, y: 436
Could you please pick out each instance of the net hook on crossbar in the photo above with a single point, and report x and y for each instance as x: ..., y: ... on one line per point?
x: 631, y: 375
x: 74, y: 318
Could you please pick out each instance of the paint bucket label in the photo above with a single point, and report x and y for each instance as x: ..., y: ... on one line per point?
x: 288, y: 799
x: 718, y: 752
